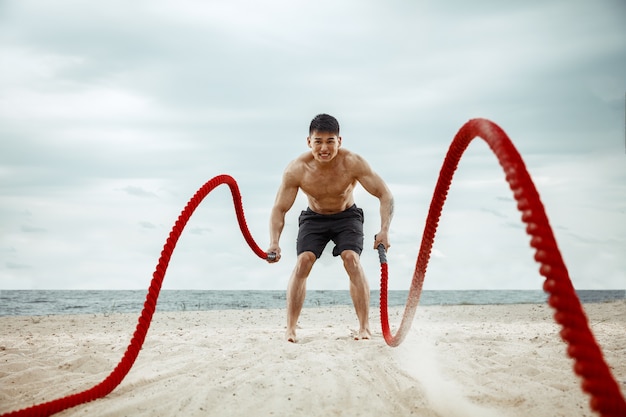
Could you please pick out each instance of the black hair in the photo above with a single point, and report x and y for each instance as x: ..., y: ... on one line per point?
x: 324, y: 123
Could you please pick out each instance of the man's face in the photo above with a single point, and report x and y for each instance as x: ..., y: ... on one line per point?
x: 324, y: 145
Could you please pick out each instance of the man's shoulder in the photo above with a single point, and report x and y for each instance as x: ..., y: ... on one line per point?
x: 300, y: 161
x: 295, y: 168
x: 350, y: 157
x: 304, y: 157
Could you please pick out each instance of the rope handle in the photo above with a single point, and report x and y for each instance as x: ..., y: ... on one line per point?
x: 382, y: 253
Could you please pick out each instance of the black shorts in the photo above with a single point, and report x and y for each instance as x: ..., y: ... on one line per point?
x: 345, y: 229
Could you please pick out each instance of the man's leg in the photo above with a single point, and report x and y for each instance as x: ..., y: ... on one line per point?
x: 296, y: 292
x: 359, y: 290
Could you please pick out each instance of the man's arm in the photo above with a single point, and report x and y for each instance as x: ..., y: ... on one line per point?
x: 285, y: 198
x: 375, y: 185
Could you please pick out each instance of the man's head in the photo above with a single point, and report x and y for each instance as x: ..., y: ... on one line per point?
x: 324, y: 123
x: 324, y: 139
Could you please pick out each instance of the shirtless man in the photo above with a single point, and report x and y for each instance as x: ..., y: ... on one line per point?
x: 328, y: 175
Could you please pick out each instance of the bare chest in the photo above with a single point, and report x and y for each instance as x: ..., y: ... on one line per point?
x: 328, y: 185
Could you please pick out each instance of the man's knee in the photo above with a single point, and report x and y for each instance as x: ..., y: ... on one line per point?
x: 351, y: 259
x: 304, y: 263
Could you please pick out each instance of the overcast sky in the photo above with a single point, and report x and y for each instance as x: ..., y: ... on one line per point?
x: 113, y: 114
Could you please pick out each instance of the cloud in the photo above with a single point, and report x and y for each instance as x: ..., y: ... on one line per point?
x: 113, y: 114
x: 200, y: 230
x: 32, y: 229
x: 138, y: 191
x: 13, y: 265
x: 147, y: 225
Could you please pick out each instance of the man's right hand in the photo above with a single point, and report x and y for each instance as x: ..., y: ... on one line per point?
x: 273, y: 250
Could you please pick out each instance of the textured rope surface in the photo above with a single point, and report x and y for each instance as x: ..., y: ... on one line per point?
x: 598, y: 381
x: 589, y: 364
x: 132, y: 351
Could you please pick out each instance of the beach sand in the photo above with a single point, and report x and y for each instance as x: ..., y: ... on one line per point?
x: 496, y: 360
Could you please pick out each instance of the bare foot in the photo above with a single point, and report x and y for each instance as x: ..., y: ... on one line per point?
x: 364, y: 334
x: 290, y: 336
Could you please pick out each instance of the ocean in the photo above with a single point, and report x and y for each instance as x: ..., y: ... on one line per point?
x: 51, y: 302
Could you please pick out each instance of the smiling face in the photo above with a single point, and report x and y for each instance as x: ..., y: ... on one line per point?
x: 324, y: 145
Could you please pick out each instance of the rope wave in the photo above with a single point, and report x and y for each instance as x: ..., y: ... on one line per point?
x: 598, y: 381
x: 589, y: 363
x: 132, y: 351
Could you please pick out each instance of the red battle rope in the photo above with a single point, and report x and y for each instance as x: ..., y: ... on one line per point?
x: 597, y: 379
x: 120, y: 371
x: 589, y: 363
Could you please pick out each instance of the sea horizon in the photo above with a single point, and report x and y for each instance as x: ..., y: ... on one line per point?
x: 58, y: 302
